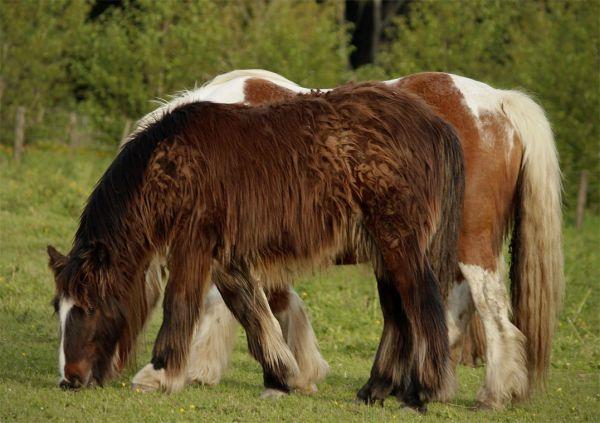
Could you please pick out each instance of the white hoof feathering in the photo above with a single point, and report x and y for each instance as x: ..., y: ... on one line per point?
x: 299, y: 336
x: 149, y: 379
x: 212, y: 343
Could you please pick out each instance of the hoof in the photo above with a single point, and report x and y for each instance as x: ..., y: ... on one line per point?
x: 374, y: 391
x: 272, y: 394
x: 487, y: 401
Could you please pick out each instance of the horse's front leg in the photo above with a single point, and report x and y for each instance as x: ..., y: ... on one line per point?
x: 184, y: 295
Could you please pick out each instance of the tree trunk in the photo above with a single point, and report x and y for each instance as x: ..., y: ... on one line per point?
x: 581, y: 198
x: 376, y: 29
x: 84, y: 136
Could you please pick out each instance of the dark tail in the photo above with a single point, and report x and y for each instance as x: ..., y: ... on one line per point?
x: 443, y: 251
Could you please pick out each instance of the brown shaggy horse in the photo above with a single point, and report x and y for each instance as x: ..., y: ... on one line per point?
x: 512, y: 180
x: 242, y: 195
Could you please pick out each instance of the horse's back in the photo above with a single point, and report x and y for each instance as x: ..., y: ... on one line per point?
x: 309, y: 165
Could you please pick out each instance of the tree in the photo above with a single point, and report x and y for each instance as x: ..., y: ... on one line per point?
x: 470, y: 38
x: 547, y: 48
x: 555, y: 55
x: 147, y: 50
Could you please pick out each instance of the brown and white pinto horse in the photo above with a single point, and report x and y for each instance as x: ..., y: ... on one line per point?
x: 239, y: 195
x: 512, y: 180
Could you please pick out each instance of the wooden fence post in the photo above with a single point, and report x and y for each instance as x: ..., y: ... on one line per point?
x: 19, y: 133
x: 84, y: 137
x: 581, y: 198
x: 73, y: 136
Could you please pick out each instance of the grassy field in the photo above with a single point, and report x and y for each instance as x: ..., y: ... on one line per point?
x: 40, y: 200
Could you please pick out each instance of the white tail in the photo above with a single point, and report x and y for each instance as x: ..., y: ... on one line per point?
x: 536, y: 247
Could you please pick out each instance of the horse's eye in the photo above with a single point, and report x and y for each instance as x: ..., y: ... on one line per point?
x: 91, y: 311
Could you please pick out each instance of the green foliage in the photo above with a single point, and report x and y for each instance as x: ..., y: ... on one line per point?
x: 467, y: 38
x: 555, y: 55
x: 304, y: 41
x: 35, y: 54
x: 152, y: 49
x: 549, y: 49
x: 41, y: 206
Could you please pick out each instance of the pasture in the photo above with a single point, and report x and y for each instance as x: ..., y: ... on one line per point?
x: 40, y: 201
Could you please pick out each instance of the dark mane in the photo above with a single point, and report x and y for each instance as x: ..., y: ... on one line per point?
x: 120, y: 184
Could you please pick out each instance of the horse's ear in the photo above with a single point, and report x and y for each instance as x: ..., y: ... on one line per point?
x: 57, y: 261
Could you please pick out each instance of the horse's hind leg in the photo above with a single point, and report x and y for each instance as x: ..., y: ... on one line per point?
x: 248, y: 302
x: 505, y: 372
x: 289, y: 310
x: 459, y: 311
x: 392, y: 360
x: 412, y: 277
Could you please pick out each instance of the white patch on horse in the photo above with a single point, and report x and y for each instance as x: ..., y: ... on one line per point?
x: 479, y: 97
x: 64, y: 307
x: 227, y: 88
x: 393, y: 81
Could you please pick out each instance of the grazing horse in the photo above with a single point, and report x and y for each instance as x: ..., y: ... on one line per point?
x: 512, y: 180
x: 245, y: 195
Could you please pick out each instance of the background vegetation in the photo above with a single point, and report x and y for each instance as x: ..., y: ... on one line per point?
x: 107, y: 59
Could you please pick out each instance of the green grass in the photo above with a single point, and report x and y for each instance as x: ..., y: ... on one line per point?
x: 40, y: 200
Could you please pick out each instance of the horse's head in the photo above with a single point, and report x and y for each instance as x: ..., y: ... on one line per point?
x: 92, y: 321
